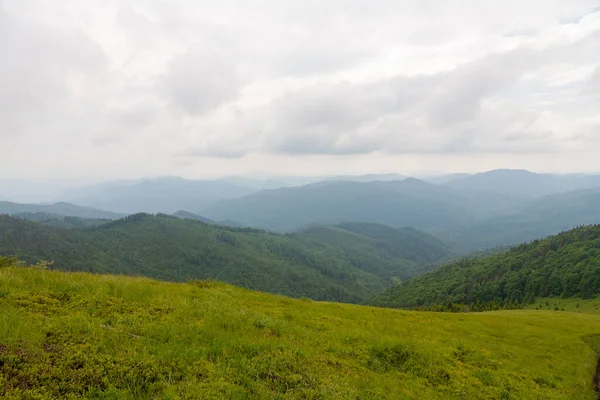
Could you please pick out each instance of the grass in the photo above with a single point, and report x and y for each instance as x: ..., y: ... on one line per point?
x: 72, y: 335
x: 589, y: 306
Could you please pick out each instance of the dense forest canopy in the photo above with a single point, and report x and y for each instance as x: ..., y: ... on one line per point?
x: 567, y: 265
x: 327, y: 263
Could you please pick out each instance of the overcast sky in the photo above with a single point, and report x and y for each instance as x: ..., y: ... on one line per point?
x: 126, y: 88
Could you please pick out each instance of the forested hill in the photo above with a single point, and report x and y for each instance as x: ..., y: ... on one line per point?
x: 360, y: 237
x: 566, y: 265
x: 169, y: 248
x: 61, y: 221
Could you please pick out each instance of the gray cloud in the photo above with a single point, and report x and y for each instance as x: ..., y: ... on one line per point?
x: 200, y: 81
x: 438, y: 113
x: 40, y: 67
x: 154, y: 86
x: 595, y: 80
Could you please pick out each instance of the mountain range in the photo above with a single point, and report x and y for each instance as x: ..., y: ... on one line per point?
x: 523, y: 184
x: 472, y: 211
x: 472, y: 215
x: 409, y: 202
x: 167, y: 195
x: 57, y: 209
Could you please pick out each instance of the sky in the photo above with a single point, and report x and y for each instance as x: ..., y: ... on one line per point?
x: 117, y: 89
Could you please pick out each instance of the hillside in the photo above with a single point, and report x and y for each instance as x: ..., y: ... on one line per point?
x: 188, y: 215
x: 170, y: 248
x: 61, y: 209
x: 405, y: 242
x: 97, y: 336
x: 377, y: 248
x: 565, y: 265
x: 396, y: 203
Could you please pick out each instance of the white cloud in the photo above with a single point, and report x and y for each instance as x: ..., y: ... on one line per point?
x: 131, y: 87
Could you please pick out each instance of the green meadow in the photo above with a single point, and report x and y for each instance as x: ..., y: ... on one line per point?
x: 79, y: 335
x: 571, y: 304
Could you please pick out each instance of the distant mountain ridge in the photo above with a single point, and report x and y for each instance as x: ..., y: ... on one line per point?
x: 473, y: 211
x: 60, y: 208
x: 188, y: 215
x: 410, y: 202
x: 537, y: 218
x: 166, y: 195
x: 524, y: 183
x: 61, y: 221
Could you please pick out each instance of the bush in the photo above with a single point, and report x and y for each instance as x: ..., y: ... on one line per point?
x: 10, y: 261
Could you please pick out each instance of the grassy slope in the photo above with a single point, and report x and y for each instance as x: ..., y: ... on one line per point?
x: 77, y: 334
x: 169, y: 248
x: 588, y: 306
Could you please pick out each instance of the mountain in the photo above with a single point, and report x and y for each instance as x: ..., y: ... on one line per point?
x: 257, y: 184
x: 566, y: 265
x: 60, y: 209
x: 442, y: 179
x: 366, y: 178
x: 31, y: 191
x: 471, y: 219
x: 381, y: 250
x: 410, y: 202
x: 61, y: 221
x: 166, y: 194
x: 407, y: 243
x: 188, y: 215
x: 536, y: 219
x: 522, y: 183
x: 170, y: 248
x: 78, y: 335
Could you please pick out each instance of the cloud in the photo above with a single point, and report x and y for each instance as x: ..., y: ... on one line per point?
x: 141, y: 86
x: 594, y: 82
x: 200, y: 81
x: 41, y: 68
x: 458, y: 111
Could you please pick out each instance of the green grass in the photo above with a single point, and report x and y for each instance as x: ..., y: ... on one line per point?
x: 70, y: 335
x: 589, y: 306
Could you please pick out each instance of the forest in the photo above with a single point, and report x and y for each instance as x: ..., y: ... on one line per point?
x: 564, y: 265
x: 322, y: 262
